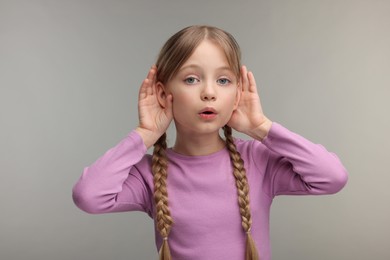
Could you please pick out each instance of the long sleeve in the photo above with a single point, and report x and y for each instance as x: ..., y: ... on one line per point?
x: 114, y: 183
x: 297, y: 166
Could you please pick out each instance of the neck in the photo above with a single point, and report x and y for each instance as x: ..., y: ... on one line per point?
x: 195, y: 145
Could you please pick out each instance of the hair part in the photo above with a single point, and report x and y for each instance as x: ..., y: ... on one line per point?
x: 182, y: 44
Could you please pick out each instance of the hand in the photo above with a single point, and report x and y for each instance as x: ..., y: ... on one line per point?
x: 153, y: 118
x: 249, y: 118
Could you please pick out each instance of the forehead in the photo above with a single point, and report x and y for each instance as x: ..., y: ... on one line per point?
x: 207, y: 55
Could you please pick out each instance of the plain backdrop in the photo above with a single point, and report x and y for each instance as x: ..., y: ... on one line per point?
x: 69, y: 76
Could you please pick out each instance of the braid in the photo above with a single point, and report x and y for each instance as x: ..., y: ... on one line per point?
x: 163, y: 215
x: 243, y: 192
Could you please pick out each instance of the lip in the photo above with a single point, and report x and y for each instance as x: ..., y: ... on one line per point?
x: 212, y: 113
x: 208, y: 109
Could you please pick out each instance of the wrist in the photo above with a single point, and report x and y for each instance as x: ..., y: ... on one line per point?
x: 261, y: 132
x: 148, y: 136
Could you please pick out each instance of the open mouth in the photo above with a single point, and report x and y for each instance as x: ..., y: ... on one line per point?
x: 208, y: 112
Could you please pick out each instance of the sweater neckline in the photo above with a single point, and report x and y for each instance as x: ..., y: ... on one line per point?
x: 171, y: 153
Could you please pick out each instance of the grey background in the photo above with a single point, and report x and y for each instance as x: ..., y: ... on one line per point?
x: 69, y: 76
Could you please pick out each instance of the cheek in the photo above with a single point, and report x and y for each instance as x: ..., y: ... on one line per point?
x: 231, y: 98
x: 183, y: 96
x: 181, y: 102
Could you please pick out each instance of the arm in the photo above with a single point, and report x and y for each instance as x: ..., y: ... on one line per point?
x: 112, y: 183
x: 295, y: 165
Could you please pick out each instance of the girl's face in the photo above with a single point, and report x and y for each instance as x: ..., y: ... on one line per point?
x: 205, y: 91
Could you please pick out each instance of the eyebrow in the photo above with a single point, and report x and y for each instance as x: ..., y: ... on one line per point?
x: 195, y: 66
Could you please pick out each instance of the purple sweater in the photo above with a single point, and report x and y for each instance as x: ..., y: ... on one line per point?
x: 202, y: 193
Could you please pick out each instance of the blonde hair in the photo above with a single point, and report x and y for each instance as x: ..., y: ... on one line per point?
x: 172, y: 56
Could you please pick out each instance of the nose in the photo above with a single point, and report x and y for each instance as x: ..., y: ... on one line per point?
x: 208, y: 92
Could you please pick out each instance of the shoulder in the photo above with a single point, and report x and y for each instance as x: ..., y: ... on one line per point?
x: 142, y: 171
x: 251, y: 149
x: 144, y: 166
x: 249, y: 145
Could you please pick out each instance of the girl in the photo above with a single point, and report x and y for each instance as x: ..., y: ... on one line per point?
x: 191, y: 190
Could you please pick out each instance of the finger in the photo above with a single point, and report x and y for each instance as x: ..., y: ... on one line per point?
x: 244, y: 77
x: 151, y: 72
x: 143, y: 90
x: 252, y: 82
x: 146, y: 86
x: 151, y: 78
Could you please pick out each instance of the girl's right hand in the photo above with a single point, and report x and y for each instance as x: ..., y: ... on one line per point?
x: 153, y: 118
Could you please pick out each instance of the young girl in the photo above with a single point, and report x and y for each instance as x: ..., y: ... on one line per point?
x: 209, y: 196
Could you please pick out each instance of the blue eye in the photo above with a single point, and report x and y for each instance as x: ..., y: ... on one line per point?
x: 223, y: 81
x: 191, y: 80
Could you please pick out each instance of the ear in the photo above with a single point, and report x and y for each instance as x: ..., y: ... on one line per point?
x: 238, y: 96
x: 161, y: 94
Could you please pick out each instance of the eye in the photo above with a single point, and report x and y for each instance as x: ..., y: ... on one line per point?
x: 191, y: 80
x: 223, y: 81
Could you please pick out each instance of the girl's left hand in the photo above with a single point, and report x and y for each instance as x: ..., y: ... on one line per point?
x: 248, y: 117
